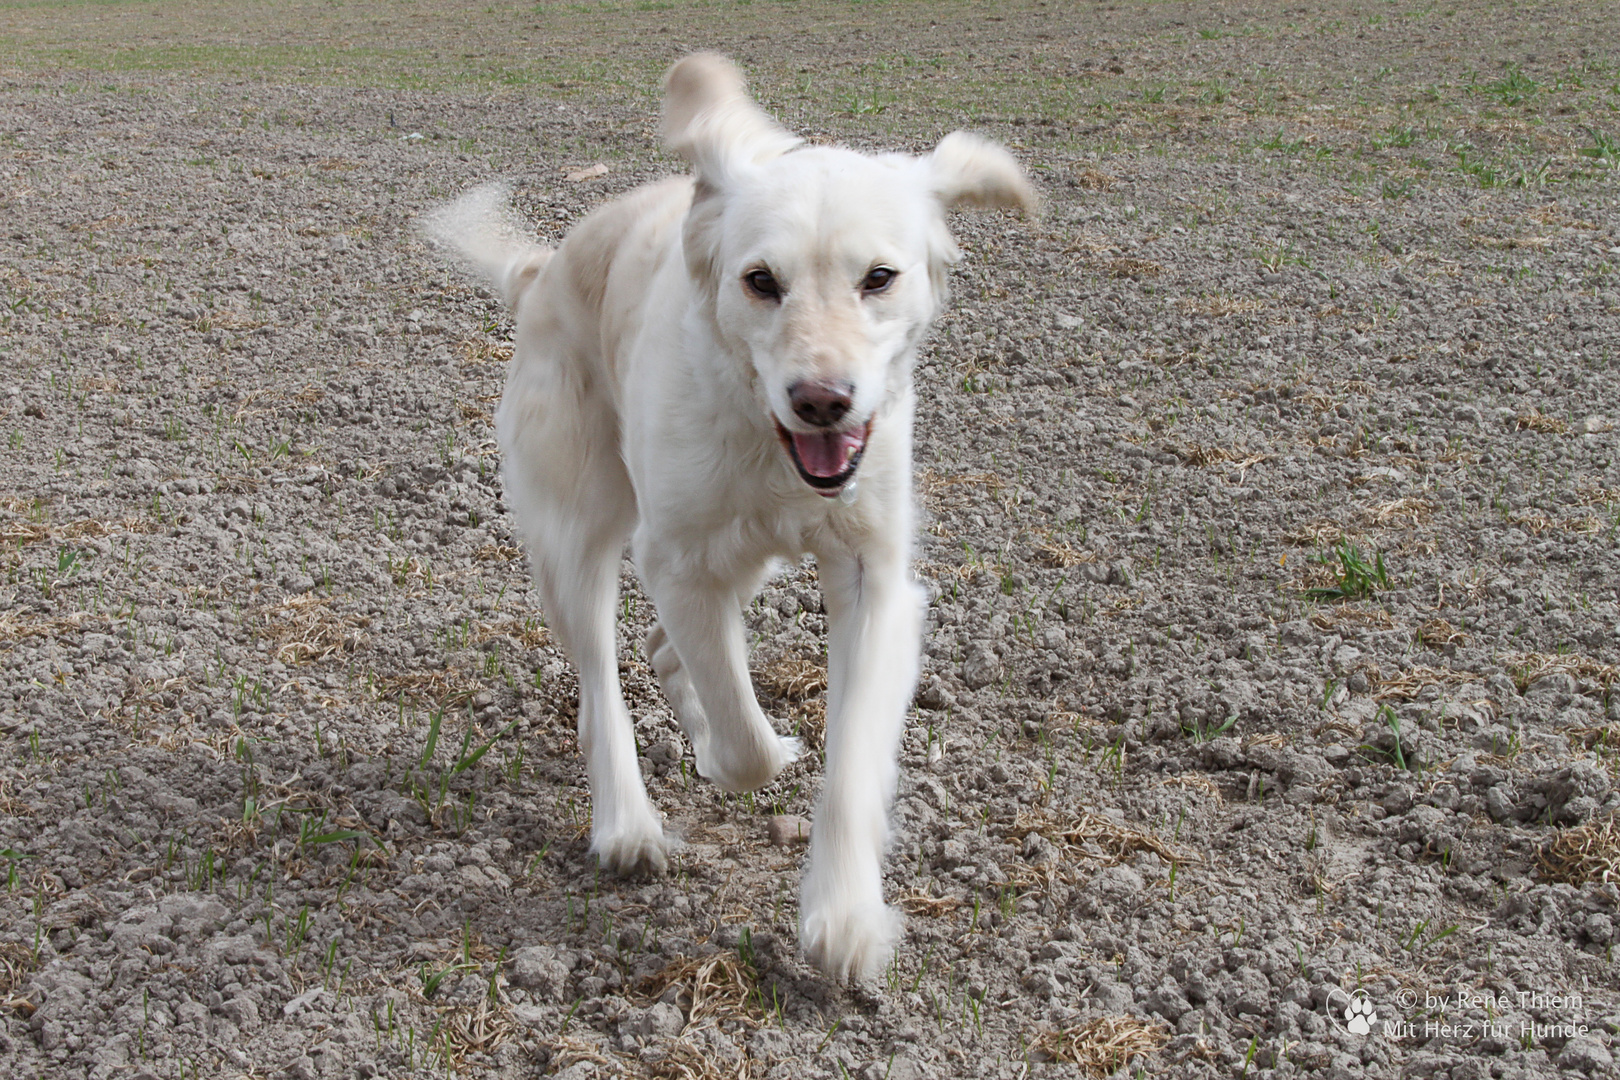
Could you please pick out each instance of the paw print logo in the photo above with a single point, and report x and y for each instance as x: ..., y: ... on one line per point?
x: 1358, y: 1015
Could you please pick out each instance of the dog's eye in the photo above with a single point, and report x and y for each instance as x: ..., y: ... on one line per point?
x: 761, y: 283
x: 878, y: 279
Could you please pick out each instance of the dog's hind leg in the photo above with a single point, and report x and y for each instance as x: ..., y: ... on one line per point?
x: 573, y: 502
x: 677, y: 686
x: 698, y: 650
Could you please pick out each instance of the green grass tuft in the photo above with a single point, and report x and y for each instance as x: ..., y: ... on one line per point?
x: 1358, y: 578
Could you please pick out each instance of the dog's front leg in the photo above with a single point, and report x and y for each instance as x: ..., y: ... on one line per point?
x: 873, y: 638
x: 733, y: 742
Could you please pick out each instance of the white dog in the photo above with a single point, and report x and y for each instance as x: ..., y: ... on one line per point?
x: 719, y: 367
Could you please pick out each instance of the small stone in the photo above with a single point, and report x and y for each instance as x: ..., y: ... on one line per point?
x: 1298, y: 632
x: 1253, y: 1003
x: 531, y: 1016
x: 538, y: 970
x: 1038, y: 850
x: 193, y: 916
x: 1043, y: 984
x: 1445, y: 796
x: 1573, y: 792
x: 1345, y: 658
x: 1499, y: 803
x: 52, y: 1032
x: 1168, y: 1001
x: 295, y: 582
x: 661, y: 1019
x: 1558, y: 686
x: 767, y: 1043
x: 308, y: 1001
x: 935, y: 696
x: 981, y: 666
x: 1424, y: 825
x: 1119, y: 881
x: 1585, y: 1055
x: 1398, y: 798
x: 785, y: 830
x: 666, y: 753
x: 242, y: 1011
x: 1107, y: 996
x: 953, y: 853
x: 895, y: 1067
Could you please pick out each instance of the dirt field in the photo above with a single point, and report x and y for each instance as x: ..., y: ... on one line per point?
x: 1268, y: 723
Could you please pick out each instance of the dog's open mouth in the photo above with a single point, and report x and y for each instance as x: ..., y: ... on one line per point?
x: 826, y: 460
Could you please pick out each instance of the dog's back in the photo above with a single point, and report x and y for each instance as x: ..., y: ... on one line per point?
x: 596, y: 280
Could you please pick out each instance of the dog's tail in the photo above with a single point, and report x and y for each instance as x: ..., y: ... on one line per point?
x: 482, y: 228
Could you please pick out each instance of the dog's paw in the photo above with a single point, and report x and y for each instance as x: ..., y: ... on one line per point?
x: 730, y: 770
x: 632, y: 851
x: 850, y: 943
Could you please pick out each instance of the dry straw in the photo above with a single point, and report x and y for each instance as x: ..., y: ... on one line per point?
x: 1585, y: 855
x: 792, y: 678
x: 1536, y: 420
x: 16, y: 961
x: 304, y: 629
x: 683, y: 1060
x: 802, y: 683
x: 1526, y: 668
x: 718, y: 987
x: 1206, y: 456
x: 476, y: 1028
x: 1115, y: 842
x: 1058, y: 554
x: 1103, y: 1045
x: 918, y: 902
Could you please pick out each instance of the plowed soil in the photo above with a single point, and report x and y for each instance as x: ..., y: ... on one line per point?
x: 1268, y: 722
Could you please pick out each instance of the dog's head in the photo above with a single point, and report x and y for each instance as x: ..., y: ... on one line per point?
x: 822, y: 266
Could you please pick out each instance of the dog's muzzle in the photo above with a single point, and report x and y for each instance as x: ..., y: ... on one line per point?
x: 826, y: 460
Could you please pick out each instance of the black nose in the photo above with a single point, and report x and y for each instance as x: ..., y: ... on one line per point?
x: 820, y: 403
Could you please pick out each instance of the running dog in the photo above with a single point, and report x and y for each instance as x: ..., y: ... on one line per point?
x: 719, y: 368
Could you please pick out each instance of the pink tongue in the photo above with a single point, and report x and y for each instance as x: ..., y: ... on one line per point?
x: 827, y: 454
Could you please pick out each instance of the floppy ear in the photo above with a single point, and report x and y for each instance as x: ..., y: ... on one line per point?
x: 965, y: 170
x: 710, y: 121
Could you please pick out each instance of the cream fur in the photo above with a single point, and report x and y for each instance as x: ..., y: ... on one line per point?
x: 643, y: 403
